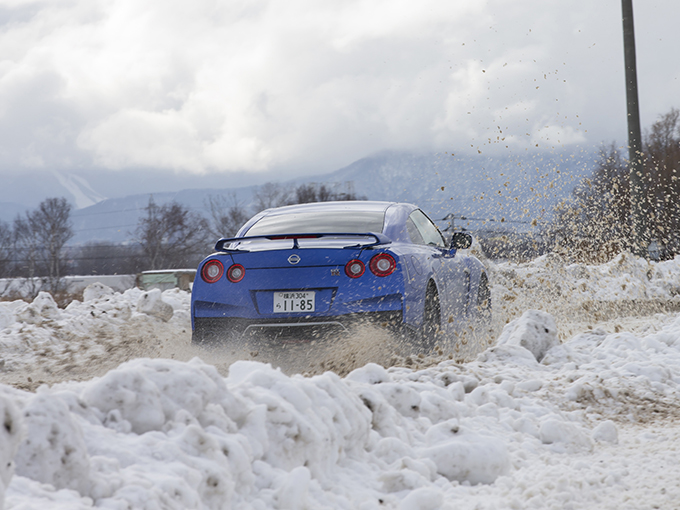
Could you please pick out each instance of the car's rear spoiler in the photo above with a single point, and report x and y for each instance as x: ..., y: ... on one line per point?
x: 379, y: 239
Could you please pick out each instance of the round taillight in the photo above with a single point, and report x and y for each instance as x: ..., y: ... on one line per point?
x: 383, y: 264
x: 212, y: 271
x: 236, y: 273
x: 354, y: 268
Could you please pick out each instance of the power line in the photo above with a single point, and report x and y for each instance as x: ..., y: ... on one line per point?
x: 70, y: 259
x: 75, y: 213
x: 464, y: 218
x: 104, y: 228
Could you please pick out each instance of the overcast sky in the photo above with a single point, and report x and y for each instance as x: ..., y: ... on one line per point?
x: 305, y: 86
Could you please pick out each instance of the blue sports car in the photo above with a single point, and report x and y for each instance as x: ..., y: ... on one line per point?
x: 295, y: 271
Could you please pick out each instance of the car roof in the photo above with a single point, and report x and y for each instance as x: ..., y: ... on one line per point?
x: 346, y: 205
x: 395, y: 214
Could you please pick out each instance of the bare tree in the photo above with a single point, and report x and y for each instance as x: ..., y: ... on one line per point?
x: 105, y: 258
x: 6, y: 244
x: 272, y: 195
x: 25, y: 249
x: 227, y: 215
x: 306, y: 193
x: 52, y: 225
x: 277, y: 195
x: 40, y: 237
x: 313, y: 192
x: 6, y: 255
x: 598, y: 213
x: 662, y: 166
x: 171, y: 236
x: 598, y: 210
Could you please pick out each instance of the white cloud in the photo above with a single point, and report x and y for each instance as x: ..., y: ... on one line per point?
x: 553, y: 136
x: 210, y: 86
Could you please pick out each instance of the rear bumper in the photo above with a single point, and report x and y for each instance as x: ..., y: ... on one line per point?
x: 216, y: 330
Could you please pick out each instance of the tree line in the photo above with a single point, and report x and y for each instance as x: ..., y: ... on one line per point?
x: 597, y: 217
x: 595, y: 220
x: 167, y: 236
x: 34, y: 247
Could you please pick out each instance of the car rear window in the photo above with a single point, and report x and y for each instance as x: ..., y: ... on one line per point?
x: 335, y: 222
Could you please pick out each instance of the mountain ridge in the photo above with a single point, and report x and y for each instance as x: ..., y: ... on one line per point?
x: 479, y: 191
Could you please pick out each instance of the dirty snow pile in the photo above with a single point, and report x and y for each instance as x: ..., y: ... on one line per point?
x: 625, y: 277
x: 577, y: 294
x: 533, y: 422
x: 40, y: 341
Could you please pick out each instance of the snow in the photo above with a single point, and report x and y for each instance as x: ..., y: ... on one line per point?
x: 573, y: 405
x: 22, y: 287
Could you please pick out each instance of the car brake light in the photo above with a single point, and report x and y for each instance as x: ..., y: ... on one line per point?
x: 354, y: 268
x: 236, y: 273
x: 383, y: 264
x: 212, y: 271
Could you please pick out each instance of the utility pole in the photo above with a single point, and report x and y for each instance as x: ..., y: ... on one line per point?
x: 637, y: 184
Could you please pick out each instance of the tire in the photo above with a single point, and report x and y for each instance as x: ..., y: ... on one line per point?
x: 484, y: 298
x: 210, y: 335
x: 203, y: 336
x: 431, y: 317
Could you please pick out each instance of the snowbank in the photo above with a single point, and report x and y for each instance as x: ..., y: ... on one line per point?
x: 73, y: 284
x: 577, y: 295
x: 532, y: 423
x: 159, y: 433
x: 45, y: 342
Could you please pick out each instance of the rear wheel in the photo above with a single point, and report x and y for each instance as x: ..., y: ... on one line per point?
x: 207, y: 333
x: 431, y: 317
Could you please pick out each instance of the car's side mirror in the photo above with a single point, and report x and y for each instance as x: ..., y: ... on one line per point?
x: 460, y: 241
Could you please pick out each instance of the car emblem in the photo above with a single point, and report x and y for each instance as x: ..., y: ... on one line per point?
x: 294, y: 259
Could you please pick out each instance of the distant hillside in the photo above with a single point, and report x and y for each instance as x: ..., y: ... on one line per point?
x: 20, y: 192
x: 511, y: 188
x: 491, y: 193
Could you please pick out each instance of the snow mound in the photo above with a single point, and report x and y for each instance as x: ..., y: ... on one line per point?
x: 10, y: 436
x: 7, y: 316
x: 466, y: 456
x: 142, y: 395
x: 531, y: 422
x: 43, y: 307
x: 534, y: 330
x: 159, y: 433
x: 97, y: 290
x: 606, y: 432
x: 151, y: 303
x: 170, y: 434
x: 528, y: 338
x: 39, y: 340
x: 53, y: 450
x: 564, y: 436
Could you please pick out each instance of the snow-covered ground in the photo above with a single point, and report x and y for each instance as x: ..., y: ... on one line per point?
x: 574, y: 404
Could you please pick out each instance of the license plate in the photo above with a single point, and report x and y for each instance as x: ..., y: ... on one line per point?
x: 287, y: 302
